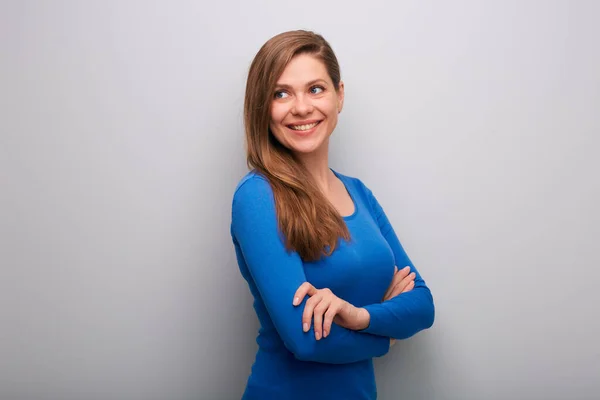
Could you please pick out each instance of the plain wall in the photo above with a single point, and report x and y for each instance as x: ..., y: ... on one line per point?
x: 475, y: 123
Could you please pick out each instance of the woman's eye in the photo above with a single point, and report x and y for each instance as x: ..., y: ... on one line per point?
x: 316, y: 89
x: 280, y: 94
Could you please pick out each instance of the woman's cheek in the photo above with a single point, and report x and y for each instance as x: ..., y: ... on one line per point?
x: 278, y: 111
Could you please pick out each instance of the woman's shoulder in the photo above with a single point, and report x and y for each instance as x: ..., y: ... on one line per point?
x: 251, y: 185
x: 252, y: 176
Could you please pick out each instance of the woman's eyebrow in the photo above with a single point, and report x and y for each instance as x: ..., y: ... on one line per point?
x: 285, y: 86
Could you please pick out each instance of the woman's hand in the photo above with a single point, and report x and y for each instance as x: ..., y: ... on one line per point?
x: 323, y: 306
x: 403, y: 281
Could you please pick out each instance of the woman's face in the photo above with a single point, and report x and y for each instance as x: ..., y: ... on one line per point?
x: 305, y: 105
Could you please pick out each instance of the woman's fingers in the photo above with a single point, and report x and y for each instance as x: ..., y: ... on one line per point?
x: 403, y: 273
x: 406, y: 285
x: 303, y: 290
x: 391, y: 287
x: 399, y: 276
x: 309, y: 307
x: 332, y: 311
x: 410, y: 279
x: 320, y: 310
x: 395, y: 279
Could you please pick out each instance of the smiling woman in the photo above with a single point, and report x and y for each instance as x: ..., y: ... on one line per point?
x: 316, y: 248
x: 306, y: 105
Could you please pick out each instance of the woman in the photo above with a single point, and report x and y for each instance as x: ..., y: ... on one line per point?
x: 315, y: 246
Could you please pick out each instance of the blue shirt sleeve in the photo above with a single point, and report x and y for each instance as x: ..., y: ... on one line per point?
x: 278, y: 273
x: 408, y: 313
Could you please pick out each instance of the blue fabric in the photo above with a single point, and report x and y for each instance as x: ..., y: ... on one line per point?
x: 290, y: 364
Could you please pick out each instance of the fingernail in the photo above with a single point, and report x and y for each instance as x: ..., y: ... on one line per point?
x: 305, y: 327
x: 318, y: 335
x: 296, y: 301
x: 325, y: 334
x: 413, y: 274
x: 407, y: 267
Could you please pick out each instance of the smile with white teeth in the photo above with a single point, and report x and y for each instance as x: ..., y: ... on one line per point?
x: 303, y: 127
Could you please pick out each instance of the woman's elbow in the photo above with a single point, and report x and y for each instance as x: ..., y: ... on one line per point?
x: 428, y: 311
x: 304, y: 353
x: 303, y: 350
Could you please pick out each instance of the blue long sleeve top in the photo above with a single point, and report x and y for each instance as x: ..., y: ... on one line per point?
x: 292, y: 364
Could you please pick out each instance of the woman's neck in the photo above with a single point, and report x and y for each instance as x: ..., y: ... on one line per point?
x: 317, y: 164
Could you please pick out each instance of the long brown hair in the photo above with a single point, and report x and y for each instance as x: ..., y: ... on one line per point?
x: 310, y: 224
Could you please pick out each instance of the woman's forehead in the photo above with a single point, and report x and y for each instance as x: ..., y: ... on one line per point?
x: 303, y: 69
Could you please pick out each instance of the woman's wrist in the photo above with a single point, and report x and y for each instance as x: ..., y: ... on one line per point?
x: 364, y: 319
x: 354, y: 318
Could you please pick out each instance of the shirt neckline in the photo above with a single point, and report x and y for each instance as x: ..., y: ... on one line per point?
x: 341, y: 178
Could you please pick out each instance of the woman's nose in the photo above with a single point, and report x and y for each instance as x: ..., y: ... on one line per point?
x: 302, y: 105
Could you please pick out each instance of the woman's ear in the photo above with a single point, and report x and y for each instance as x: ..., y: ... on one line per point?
x: 340, y: 94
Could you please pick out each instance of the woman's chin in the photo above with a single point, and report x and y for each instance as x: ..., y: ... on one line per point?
x: 305, y: 148
x: 304, y: 145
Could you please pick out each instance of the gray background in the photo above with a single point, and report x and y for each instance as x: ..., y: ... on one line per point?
x: 475, y: 123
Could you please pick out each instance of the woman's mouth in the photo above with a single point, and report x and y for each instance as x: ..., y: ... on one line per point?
x: 304, y: 129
